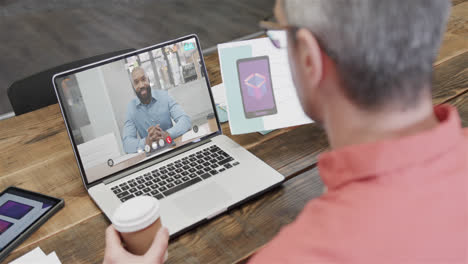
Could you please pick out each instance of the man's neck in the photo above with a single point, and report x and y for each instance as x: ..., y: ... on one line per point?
x: 147, y: 101
x: 349, y: 125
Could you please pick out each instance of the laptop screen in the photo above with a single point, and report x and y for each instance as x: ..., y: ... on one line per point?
x: 126, y: 111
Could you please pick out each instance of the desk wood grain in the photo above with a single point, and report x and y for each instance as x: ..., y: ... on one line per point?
x: 36, y: 154
x: 234, y: 234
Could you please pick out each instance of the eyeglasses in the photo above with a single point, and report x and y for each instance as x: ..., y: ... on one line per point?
x: 275, y: 32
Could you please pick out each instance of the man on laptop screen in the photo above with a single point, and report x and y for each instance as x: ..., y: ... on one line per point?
x: 130, y: 110
x: 150, y: 115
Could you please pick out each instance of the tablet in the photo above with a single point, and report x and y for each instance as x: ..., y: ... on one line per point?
x: 21, y: 213
x: 256, y: 86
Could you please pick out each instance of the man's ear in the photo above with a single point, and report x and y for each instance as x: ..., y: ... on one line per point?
x: 309, y: 56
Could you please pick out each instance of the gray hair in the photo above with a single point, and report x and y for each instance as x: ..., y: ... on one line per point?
x: 383, y: 49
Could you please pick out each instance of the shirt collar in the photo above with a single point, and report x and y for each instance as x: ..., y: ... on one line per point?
x: 153, y: 100
x: 352, y: 163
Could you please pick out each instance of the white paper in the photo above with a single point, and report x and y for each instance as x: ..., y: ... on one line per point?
x: 53, y: 259
x: 289, y: 109
x: 37, y: 256
x: 30, y: 257
x: 219, y: 94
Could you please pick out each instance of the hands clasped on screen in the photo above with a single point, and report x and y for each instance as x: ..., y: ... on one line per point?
x: 155, y: 133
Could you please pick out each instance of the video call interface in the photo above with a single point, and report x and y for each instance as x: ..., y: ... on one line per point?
x: 17, y: 212
x: 127, y: 111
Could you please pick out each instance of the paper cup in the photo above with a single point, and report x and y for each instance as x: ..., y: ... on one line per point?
x: 138, y: 221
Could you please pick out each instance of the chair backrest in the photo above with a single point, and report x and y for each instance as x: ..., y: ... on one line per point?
x: 37, y: 91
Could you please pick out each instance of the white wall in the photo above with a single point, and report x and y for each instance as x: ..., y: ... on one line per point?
x: 98, y: 105
x: 194, y: 98
x: 119, y: 89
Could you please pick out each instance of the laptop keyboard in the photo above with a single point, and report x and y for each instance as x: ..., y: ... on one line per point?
x: 177, y: 175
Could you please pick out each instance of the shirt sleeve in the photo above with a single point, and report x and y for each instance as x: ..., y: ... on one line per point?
x: 131, y: 142
x: 182, y: 120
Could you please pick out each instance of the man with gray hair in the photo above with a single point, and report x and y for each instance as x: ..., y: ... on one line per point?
x: 397, y: 174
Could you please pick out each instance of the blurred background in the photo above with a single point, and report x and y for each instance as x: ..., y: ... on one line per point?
x: 38, y: 35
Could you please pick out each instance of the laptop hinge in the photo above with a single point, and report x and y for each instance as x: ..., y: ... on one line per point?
x: 155, y: 161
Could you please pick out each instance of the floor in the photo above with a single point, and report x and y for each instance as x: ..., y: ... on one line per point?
x: 37, y: 35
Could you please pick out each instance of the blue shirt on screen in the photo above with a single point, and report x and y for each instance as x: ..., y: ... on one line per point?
x: 161, y: 110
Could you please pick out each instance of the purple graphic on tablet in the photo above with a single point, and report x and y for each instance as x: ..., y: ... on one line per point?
x: 256, y: 87
x: 14, y: 209
x: 4, y: 225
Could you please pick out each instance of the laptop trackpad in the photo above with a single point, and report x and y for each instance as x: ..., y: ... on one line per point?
x: 202, y: 200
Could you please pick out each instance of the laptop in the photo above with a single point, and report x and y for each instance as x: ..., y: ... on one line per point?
x: 145, y: 123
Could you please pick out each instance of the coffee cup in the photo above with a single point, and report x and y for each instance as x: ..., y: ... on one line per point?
x: 138, y: 221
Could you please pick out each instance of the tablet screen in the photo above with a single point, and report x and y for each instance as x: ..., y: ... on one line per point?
x: 18, y: 211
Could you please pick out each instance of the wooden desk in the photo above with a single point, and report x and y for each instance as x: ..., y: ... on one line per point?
x: 36, y: 154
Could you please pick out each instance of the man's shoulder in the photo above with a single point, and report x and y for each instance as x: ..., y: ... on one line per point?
x: 159, y: 92
x: 133, y: 102
x: 131, y: 106
x: 161, y: 96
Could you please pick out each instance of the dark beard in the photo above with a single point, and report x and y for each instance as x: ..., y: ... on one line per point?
x: 142, y: 98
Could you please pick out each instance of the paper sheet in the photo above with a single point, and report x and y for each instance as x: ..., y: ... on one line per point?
x: 37, y: 256
x: 219, y: 94
x: 53, y: 259
x: 289, y: 110
x: 30, y: 257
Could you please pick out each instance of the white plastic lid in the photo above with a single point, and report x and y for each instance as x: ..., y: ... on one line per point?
x: 136, y: 214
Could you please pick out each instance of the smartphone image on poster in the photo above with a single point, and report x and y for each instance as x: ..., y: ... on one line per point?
x: 256, y: 87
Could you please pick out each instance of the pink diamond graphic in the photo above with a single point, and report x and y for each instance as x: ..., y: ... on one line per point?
x: 256, y: 84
